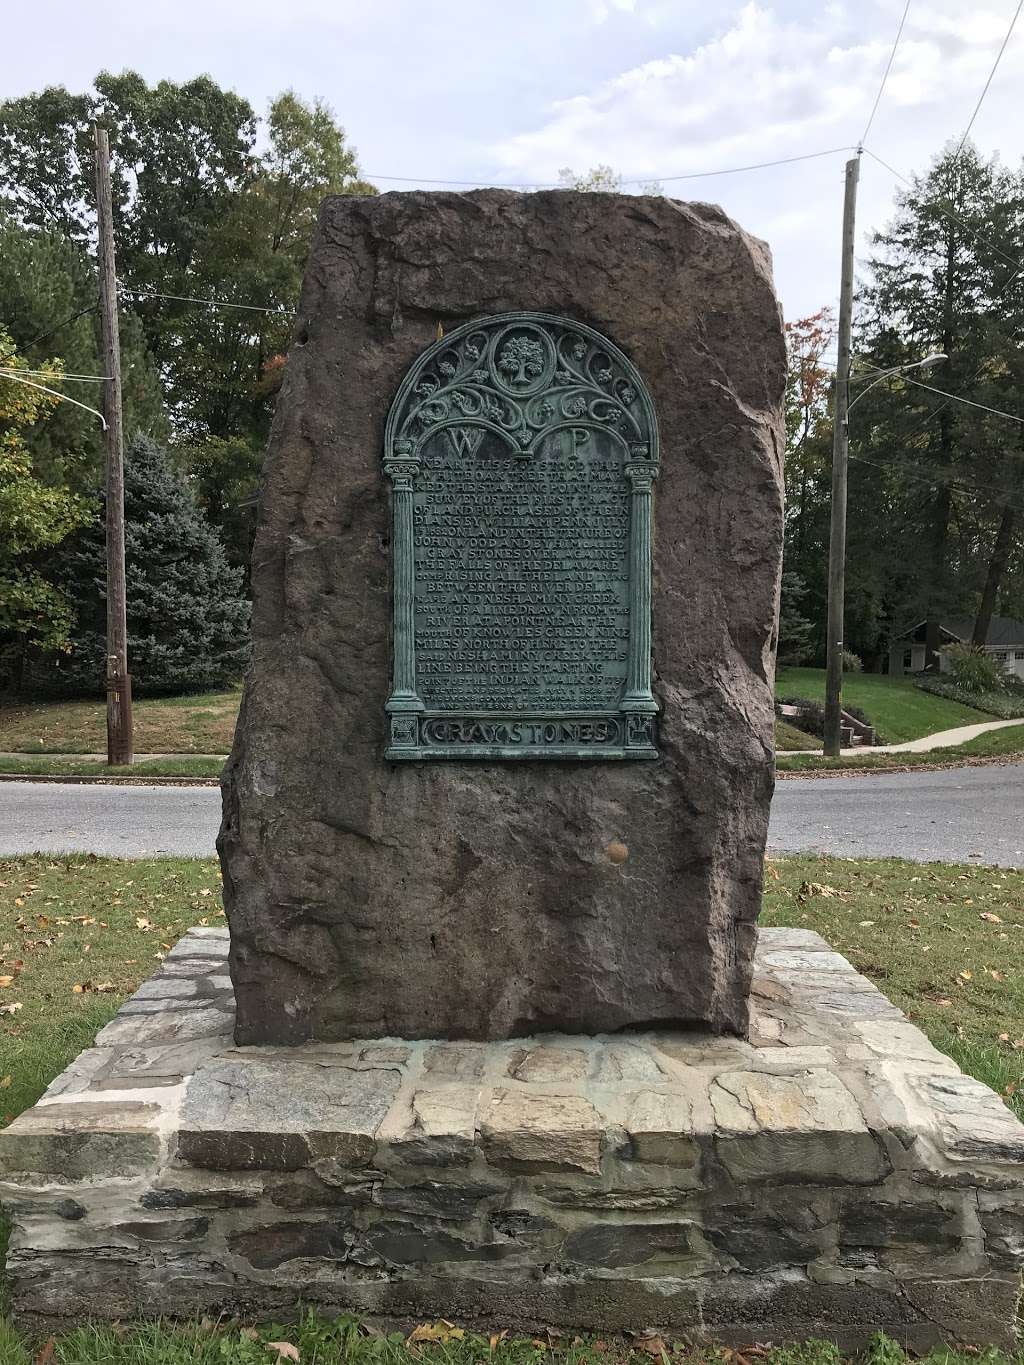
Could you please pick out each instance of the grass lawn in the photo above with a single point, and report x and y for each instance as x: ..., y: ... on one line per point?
x: 201, y: 724
x: 897, y: 709
x: 995, y: 744
x: 789, y: 737
x: 78, y: 934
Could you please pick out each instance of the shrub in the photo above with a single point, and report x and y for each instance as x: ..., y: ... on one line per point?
x: 974, y: 670
x: 852, y: 663
x: 1007, y: 704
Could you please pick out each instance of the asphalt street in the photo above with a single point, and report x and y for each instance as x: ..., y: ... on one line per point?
x: 955, y: 814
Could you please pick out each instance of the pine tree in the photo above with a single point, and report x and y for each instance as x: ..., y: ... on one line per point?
x: 188, y: 619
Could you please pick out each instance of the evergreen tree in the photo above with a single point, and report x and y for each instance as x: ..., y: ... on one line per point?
x: 188, y: 620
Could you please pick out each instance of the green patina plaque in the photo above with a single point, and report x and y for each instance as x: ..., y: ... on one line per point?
x: 521, y: 451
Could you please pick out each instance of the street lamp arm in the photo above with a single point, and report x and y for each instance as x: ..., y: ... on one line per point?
x: 895, y: 369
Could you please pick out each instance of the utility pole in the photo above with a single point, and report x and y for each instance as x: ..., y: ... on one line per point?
x: 840, y: 456
x: 117, y: 679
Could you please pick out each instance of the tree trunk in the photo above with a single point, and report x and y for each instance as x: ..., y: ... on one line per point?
x: 996, y: 568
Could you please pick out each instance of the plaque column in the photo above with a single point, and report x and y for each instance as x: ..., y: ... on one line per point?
x: 638, y: 704
x: 404, y: 701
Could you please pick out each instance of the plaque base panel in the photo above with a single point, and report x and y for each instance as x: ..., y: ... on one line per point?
x: 830, y: 1177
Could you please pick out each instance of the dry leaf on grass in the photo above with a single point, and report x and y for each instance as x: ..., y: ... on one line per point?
x: 654, y: 1345
x: 46, y: 1352
x: 436, y: 1331
x: 988, y: 916
x: 12, y: 1008
x: 6, y: 980
x: 285, y: 1350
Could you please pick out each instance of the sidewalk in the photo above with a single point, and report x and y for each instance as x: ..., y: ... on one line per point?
x: 942, y: 739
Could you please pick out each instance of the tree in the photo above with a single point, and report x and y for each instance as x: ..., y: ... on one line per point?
x: 33, y: 518
x: 944, y: 278
x: 796, y: 632
x: 48, y: 304
x: 187, y: 615
x: 602, y: 179
x: 201, y: 212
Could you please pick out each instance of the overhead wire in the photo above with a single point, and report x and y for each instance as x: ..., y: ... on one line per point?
x: 885, y: 75
x: 209, y: 303
x: 995, y: 68
x: 56, y: 376
x: 634, y: 180
x: 17, y: 379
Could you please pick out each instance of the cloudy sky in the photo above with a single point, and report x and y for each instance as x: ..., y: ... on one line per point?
x: 509, y: 92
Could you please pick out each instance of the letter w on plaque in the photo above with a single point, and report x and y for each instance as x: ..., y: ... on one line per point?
x: 522, y: 451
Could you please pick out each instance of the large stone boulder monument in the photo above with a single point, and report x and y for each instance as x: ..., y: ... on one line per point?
x: 504, y: 758
x: 500, y: 790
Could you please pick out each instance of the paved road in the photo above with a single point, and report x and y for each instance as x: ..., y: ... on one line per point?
x: 959, y: 814
x: 954, y: 814
x: 118, y: 822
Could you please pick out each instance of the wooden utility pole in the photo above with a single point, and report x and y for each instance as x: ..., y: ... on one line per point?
x: 117, y: 678
x: 840, y: 456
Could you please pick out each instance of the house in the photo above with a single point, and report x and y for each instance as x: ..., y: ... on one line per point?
x: 1005, y: 643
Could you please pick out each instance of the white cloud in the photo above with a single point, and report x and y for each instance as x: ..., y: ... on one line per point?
x: 777, y: 80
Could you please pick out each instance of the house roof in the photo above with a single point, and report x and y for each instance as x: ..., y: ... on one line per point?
x: 1003, y: 631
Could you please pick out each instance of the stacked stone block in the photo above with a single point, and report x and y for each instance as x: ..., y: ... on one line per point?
x: 833, y: 1176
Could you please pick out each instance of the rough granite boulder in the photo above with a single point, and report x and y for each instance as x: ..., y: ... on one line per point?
x: 480, y: 899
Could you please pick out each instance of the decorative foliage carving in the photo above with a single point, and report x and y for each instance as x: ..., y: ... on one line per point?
x: 521, y: 379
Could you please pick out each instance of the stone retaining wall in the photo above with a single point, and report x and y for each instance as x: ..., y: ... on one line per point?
x: 833, y: 1176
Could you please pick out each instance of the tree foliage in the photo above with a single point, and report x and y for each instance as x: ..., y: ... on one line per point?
x: 936, y: 487
x: 187, y: 613
x: 33, y: 517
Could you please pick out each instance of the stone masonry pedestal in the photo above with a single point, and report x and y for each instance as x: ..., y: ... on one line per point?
x: 833, y: 1176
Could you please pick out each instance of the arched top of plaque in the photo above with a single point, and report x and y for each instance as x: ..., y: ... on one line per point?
x: 521, y: 450
x: 523, y: 375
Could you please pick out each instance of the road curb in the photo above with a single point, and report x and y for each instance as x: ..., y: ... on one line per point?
x: 83, y: 781
x: 992, y: 761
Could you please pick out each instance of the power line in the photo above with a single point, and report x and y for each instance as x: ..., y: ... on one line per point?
x: 957, y: 399
x: 209, y: 303
x: 995, y: 67
x: 938, y: 477
x: 950, y: 214
x: 66, y: 323
x: 56, y: 376
x: 637, y: 180
x: 17, y: 379
x: 885, y: 77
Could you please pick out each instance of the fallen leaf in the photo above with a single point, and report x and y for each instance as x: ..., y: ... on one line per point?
x: 46, y: 1353
x: 866, y: 923
x: 996, y: 976
x: 6, y: 980
x: 141, y: 922
x: 436, y: 1331
x: 498, y: 1337
x: 989, y: 917
x: 285, y: 1350
x: 654, y: 1345
x: 966, y: 976
x: 12, y: 1008
x: 104, y: 987
x: 5, y: 1082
